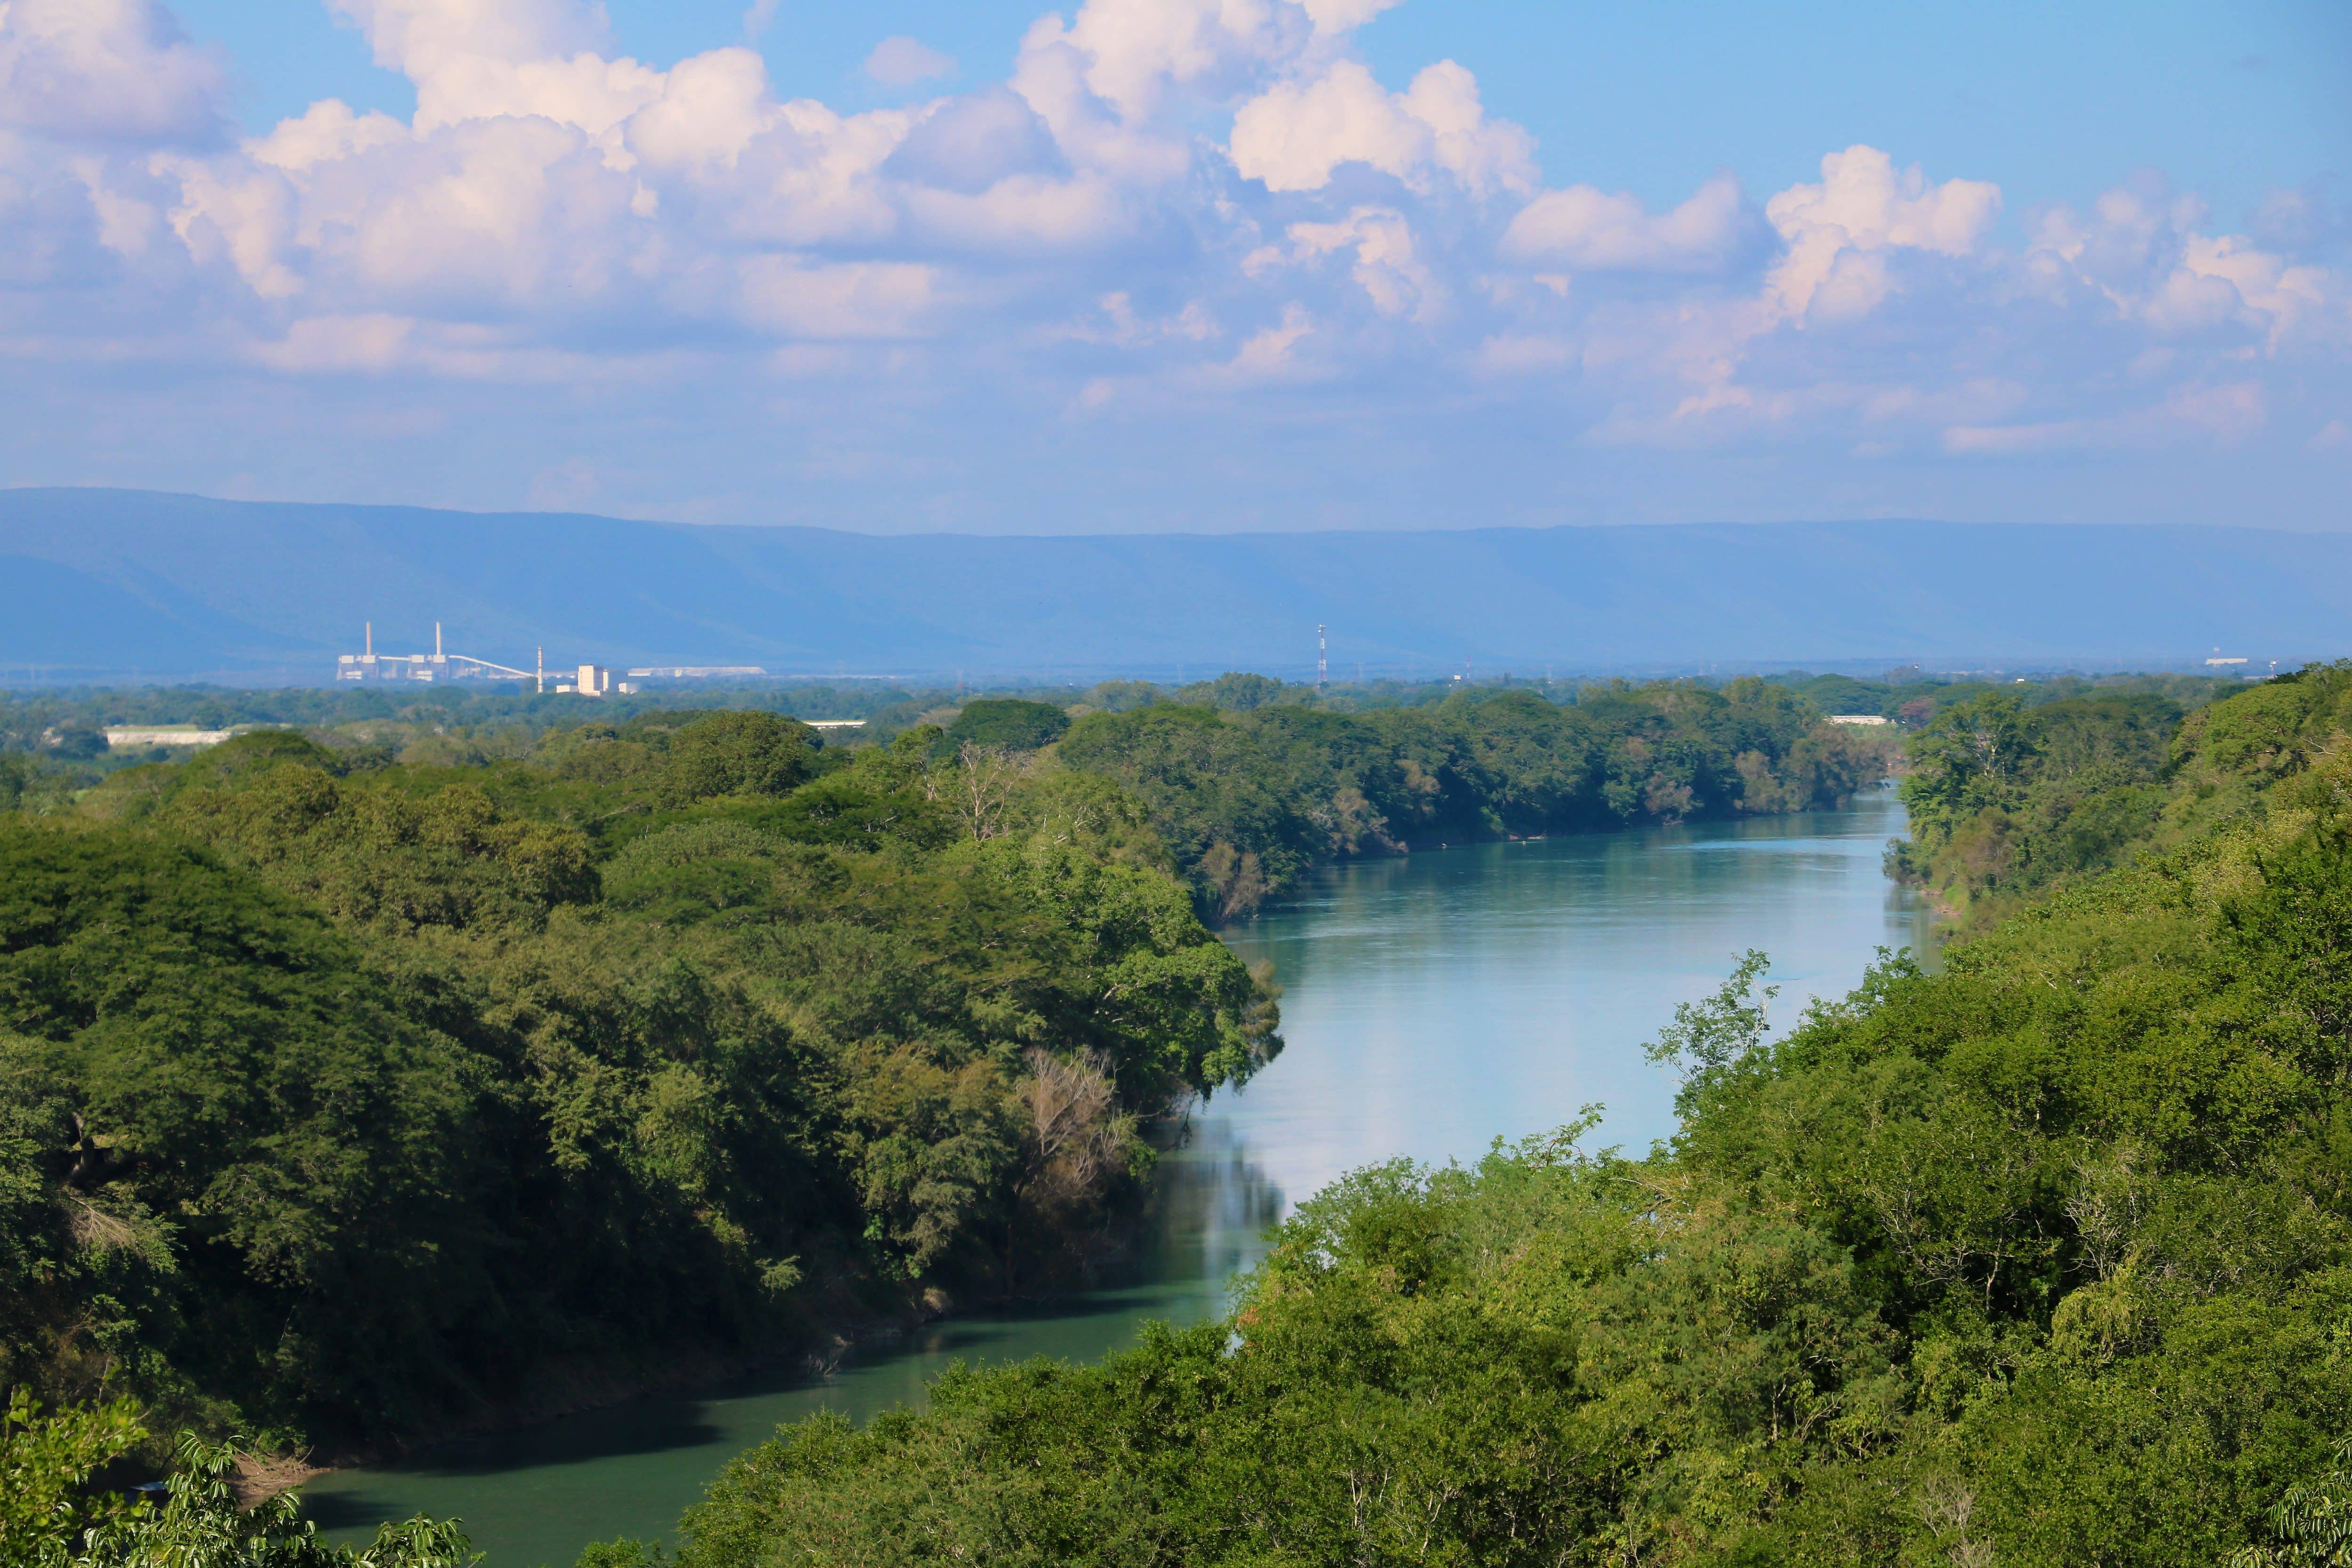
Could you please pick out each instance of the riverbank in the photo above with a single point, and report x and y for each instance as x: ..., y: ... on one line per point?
x: 2037, y: 1257
x: 586, y: 1386
x: 1353, y: 992
x: 696, y: 1038
x: 1431, y: 1001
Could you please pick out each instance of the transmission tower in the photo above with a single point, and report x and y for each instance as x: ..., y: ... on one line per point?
x: 1322, y: 660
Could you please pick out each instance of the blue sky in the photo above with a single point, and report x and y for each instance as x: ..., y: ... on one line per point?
x: 1186, y: 263
x: 2052, y: 103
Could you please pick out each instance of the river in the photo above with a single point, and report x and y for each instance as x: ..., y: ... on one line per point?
x: 1431, y: 1004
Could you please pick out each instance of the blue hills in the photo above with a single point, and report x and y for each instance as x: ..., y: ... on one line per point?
x: 103, y: 584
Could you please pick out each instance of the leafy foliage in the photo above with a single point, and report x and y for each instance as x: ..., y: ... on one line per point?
x: 1250, y: 794
x: 2046, y: 1258
x: 736, y: 753
x: 355, y: 1097
x: 2007, y: 798
x: 2312, y: 1524
x: 54, y: 1513
x: 47, y: 1504
x: 1710, y: 1039
x: 1012, y: 722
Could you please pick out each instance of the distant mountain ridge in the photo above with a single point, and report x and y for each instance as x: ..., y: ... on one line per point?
x: 103, y: 583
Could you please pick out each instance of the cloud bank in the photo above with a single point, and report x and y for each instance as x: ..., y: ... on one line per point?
x: 1176, y: 221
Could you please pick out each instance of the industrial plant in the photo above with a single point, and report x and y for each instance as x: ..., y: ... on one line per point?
x: 583, y: 680
x: 437, y: 665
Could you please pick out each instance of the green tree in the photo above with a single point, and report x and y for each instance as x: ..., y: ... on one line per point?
x: 1009, y: 722
x: 1970, y: 757
x: 47, y: 1502
x: 233, y: 1064
x: 1709, y: 1038
x: 1236, y: 692
x: 730, y: 753
x: 2310, y: 1526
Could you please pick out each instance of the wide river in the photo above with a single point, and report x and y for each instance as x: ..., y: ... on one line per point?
x: 1431, y: 1005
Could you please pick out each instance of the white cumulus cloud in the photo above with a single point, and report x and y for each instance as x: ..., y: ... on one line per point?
x: 1840, y: 232
x: 106, y: 71
x: 1589, y: 230
x: 1296, y: 135
x: 1165, y: 204
x: 1395, y: 278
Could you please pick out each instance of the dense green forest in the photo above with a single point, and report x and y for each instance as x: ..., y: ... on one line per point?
x: 52, y: 741
x: 2042, y: 1259
x: 349, y: 1097
x: 393, y: 1071
x: 38, y: 718
x: 1250, y: 799
x: 2007, y: 798
x: 362, y: 1078
x: 1249, y: 782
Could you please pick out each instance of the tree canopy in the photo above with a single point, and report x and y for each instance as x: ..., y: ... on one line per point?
x: 2044, y: 1258
x: 351, y: 1097
x: 1013, y: 722
x: 1251, y: 795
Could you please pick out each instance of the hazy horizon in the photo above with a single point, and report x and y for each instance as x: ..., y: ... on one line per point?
x: 1406, y: 526
x: 121, y: 580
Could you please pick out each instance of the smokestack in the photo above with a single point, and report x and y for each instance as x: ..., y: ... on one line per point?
x: 371, y: 640
x: 437, y: 642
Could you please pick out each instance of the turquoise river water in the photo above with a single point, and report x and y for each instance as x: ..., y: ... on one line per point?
x: 1431, y: 1004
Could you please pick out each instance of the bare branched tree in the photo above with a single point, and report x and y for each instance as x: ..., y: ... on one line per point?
x: 1075, y: 1132
x: 985, y: 782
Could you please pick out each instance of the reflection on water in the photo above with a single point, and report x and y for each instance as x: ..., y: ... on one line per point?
x: 1437, y: 1001
x: 1430, y: 1003
x: 537, y: 1495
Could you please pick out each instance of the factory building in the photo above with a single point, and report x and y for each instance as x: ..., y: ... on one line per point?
x: 370, y: 665
x: 583, y: 680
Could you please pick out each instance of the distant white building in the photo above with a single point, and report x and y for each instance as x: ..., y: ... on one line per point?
x: 167, y: 735
x: 697, y: 671
x: 593, y: 680
x: 1857, y: 718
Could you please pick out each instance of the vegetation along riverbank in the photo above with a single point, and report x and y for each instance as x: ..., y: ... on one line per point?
x: 365, y: 1078
x: 345, y: 1096
x: 1248, y: 781
x: 2046, y: 1258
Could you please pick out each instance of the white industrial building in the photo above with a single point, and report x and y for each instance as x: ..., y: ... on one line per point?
x: 370, y: 665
